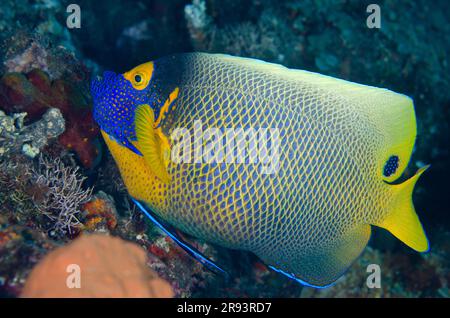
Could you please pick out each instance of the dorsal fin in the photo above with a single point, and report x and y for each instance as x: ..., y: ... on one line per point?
x: 316, y: 79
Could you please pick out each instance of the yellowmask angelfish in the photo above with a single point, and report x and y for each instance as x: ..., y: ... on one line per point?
x: 341, y: 148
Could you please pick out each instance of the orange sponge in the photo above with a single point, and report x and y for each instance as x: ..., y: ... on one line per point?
x: 96, y: 266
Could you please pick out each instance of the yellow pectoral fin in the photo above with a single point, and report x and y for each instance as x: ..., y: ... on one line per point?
x: 152, y: 143
x: 403, y: 221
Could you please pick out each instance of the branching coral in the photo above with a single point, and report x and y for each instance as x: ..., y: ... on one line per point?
x: 65, y: 193
x: 48, y: 196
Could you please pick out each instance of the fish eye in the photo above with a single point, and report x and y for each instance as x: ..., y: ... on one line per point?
x: 391, y: 166
x: 139, y: 79
x: 140, y: 76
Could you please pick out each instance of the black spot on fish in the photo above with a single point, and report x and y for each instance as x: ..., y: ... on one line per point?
x: 391, y: 166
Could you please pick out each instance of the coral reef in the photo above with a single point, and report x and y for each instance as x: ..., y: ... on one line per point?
x: 139, y: 32
x: 108, y: 267
x: 64, y: 194
x: 21, y: 247
x: 49, y: 194
x: 31, y: 139
x: 100, y: 213
x: 34, y: 93
x: 173, y: 264
x: 268, y: 38
x: 43, y: 18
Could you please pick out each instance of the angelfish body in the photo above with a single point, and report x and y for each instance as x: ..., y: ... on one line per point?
x: 341, y: 145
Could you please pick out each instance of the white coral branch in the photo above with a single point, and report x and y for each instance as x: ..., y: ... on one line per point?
x: 65, y: 193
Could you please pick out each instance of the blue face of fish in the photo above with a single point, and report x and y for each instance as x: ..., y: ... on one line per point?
x: 115, y: 101
x: 117, y: 96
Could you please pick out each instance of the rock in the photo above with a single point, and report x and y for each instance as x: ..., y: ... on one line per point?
x: 108, y: 267
x: 35, y: 92
x: 31, y: 139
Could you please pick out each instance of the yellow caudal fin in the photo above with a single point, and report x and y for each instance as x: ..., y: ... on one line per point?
x: 150, y: 142
x: 403, y: 221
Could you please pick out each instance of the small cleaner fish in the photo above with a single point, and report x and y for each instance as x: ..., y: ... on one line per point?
x: 342, y: 148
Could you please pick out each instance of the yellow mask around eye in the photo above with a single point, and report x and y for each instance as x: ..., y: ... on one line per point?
x: 140, y: 76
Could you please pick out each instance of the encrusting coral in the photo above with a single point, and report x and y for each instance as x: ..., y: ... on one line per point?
x: 15, y: 137
x: 34, y: 93
x: 99, y: 213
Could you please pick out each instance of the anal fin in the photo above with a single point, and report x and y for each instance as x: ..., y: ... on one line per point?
x: 320, y: 265
x: 298, y: 280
